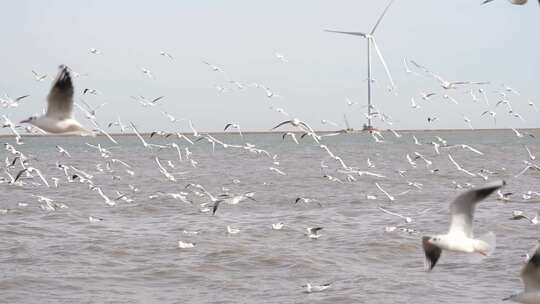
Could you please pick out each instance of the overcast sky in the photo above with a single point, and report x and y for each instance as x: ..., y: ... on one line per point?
x: 458, y: 39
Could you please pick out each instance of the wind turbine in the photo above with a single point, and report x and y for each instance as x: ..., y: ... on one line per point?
x: 370, y: 38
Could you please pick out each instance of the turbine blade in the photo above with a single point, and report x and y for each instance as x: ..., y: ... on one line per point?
x: 348, y: 33
x: 383, y: 62
x: 382, y: 15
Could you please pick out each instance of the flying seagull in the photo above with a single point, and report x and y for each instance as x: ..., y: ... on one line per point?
x: 460, y: 235
x: 517, y: 2
x: 59, y: 117
x: 530, y: 275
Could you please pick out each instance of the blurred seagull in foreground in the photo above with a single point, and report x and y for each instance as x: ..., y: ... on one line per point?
x: 516, y: 2
x: 460, y: 235
x: 530, y: 275
x: 59, y: 116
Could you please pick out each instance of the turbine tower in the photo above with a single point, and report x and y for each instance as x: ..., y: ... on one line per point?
x: 370, y: 38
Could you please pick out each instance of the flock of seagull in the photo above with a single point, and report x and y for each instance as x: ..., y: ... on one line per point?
x: 19, y: 169
x: 58, y: 119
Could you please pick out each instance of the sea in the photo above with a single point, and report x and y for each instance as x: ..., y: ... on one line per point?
x: 129, y: 252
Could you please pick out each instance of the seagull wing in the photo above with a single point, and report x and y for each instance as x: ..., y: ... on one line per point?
x: 281, y: 124
x: 315, y: 230
x: 462, y: 208
x: 40, y: 176
x: 215, y: 207
x: 531, y: 272
x: 60, y: 99
x: 18, y: 175
x: 432, y: 252
x: 157, y: 99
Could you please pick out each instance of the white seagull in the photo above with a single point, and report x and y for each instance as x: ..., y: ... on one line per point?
x: 460, y: 235
x: 316, y: 288
x: 58, y: 118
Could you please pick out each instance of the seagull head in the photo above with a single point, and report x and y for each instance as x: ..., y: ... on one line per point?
x: 435, y: 240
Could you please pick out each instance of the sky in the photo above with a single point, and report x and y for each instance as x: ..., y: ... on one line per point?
x: 458, y: 40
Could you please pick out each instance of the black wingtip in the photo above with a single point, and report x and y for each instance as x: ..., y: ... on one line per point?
x: 431, y: 252
x: 63, y: 80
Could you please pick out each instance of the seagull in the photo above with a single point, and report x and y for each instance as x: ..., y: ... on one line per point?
x: 411, y: 162
x: 492, y: 114
x: 147, y: 73
x: 306, y: 200
x: 277, y: 171
x: 396, y: 134
x: 416, y: 142
x: 529, y: 165
x: 277, y: 226
x: 518, y: 215
x: 231, y: 230
x: 516, y: 2
x: 108, y: 201
x: 118, y: 123
x: 427, y: 96
x: 63, y: 151
x: 458, y: 167
x: 533, y: 105
x: 281, y: 57
x: 468, y: 122
x: 313, y: 232
x: 145, y: 144
x: 30, y: 170
x: 92, y: 219
x: 517, y: 133
x: 95, y: 51
x: 38, y: 77
x: 295, y: 123
x: 390, y: 197
x: 460, y: 235
x: 350, y: 102
x: 58, y: 118
x: 452, y: 99
x: 405, y: 218
x: 214, y: 68
x: 531, y: 156
x: 185, y: 245
x: 463, y: 146
x: 164, y: 171
x: 232, y: 200
x: 530, y: 275
x: 484, y: 95
x: 163, y: 53
x: 316, y: 288
x: 292, y: 135
x: 414, y: 105
x: 503, y: 196
x: 235, y: 126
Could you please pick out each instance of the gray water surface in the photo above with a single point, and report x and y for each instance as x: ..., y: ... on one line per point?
x: 132, y: 256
